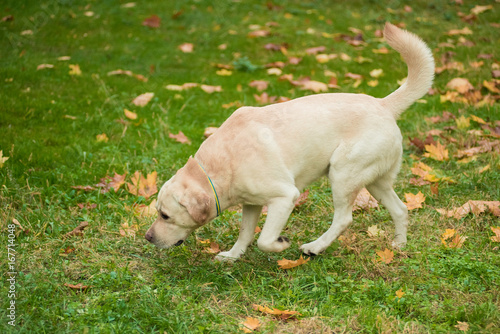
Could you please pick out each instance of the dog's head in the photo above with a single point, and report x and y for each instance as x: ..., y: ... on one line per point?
x: 184, y: 204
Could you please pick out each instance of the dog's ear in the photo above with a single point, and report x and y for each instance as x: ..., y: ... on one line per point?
x: 197, y: 204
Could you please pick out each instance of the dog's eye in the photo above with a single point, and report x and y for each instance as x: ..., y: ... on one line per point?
x: 164, y: 216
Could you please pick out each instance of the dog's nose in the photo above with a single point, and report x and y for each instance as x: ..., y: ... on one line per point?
x: 149, y: 236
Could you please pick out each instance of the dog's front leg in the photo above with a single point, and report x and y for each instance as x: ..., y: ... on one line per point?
x: 250, y: 217
x: 279, y: 209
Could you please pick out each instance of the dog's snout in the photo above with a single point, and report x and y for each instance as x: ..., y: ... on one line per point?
x: 149, y: 236
x: 178, y: 243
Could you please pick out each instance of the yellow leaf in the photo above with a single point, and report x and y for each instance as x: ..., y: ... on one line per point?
x: 314, y: 86
x: 364, y: 201
x: 400, y: 293
x: 376, y: 73
x: 2, y: 159
x: 210, y: 89
x: 142, y: 186
x: 477, y: 119
x: 436, y: 152
x: 287, y: 264
x: 374, y: 231
x: 283, y: 314
x: 420, y: 169
x: 448, y: 233
x: 186, y: 47
x: 224, y: 72
x: 251, y: 323
x: 129, y: 114
x: 479, y: 9
x: 386, y: 256
x: 102, y: 138
x: 372, y: 83
x: 74, y: 69
x: 462, y: 122
x: 414, y: 201
x: 461, y: 85
x: 490, y: 85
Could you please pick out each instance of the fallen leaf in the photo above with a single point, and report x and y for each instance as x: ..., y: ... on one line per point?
x: 127, y: 230
x: 211, y: 89
x: 437, y: 152
x: 258, y: 33
x: 77, y: 231
x: 128, y: 73
x: 455, y: 239
x: 180, y: 137
x: 414, y: 201
x: 108, y: 182
x: 462, y: 122
x: 64, y: 58
x: 2, y: 159
x: 87, y: 206
x: 314, y: 86
x: 142, y: 186
x: 491, y: 86
x: 187, y: 85
x: 102, y: 138
x: 315, y: 50
x: 287, y: 264
x: 385, y: 256
x: 264, y: 98
x: 74, y: 69
x: 353, y: 76
x: 480, y: 9
x: 376, y: 73
x: 364, y: 201
x: 374, y: 231
x: 476, y: 207
x: 464, y: 31
x: 153, y: 21
x: 43, y: 66
x: 144, y: 210
x: 186, y: 47
x: 496, y: 230
x: 282, y: 314
x: 129, y: 114
x: 251, y: 323
x: 400, y: 293
x: 78, y: 286
x: 382, y: 50
x: 213, y: 249
x: 302, y: 198
x: 260, y: 85
x: 274, y: 71
x: 143, y: 99
x: 461, y: 85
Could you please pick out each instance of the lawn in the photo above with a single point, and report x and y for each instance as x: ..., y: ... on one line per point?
x: 70, y: 73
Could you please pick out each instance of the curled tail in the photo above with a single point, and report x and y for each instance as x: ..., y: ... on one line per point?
x: 420, y: 62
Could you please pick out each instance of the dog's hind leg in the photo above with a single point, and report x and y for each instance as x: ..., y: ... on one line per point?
x: 382, y: 191
x: 250, y: 217
x: 279, y: 209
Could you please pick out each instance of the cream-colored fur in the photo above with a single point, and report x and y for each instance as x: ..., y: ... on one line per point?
x: 267, y: 155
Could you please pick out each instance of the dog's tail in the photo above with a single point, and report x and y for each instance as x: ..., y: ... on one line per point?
x: 420, y: 62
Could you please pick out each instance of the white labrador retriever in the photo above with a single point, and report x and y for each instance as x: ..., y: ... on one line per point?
x: 267, y: 155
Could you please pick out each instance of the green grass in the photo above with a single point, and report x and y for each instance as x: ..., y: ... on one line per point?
x: 48, y: 125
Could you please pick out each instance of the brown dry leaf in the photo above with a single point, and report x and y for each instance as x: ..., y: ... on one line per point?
x: 44, y: 66
x: 211, y: 89
x: 2, y: 159
x: 127, y: 230
x: 287, y: 264
x: 187, y: 85
x: 455, y: 239
x: 437, y: 152
x: 143, y: 99
x: 496, y: 237
x: 79, y: 286
x: 144, y: 210
x: 153, y: 21
x: 130, y: 114
x: 77, y: 231
x: 314, y: 86
x: 84, y: 188
x: 353, y: 76
x: 264, y: 98
x: 464, y: 31
x: 260, y: 85
x: 282, y: 314
x: 461, y: 325
x: 386, y: 256
x: 213, y: 249
x: 420, y: 169
x: 108, y: 182
x: 476, y: 207
x: 186, y: 47
x: 180, y: 137
x: 302, y: 198
x: 142, y: 186
x: 251, y: 324
x: 364, y: 201
x: 259, y: 33
x: 87, y: 206
x: 128, y: 73
x: 461, y: 85
x: 414, y: 201
x: 480, y: 9
x: 484, y: 147
x: 315, y: 50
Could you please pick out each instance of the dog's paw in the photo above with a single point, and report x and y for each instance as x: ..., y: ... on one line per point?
x: 398, y: 244
x: 226, y: 257
x: 279, y: 245
x: 313, y: 248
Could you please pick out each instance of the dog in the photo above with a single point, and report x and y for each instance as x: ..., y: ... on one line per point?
x: 267, y: 155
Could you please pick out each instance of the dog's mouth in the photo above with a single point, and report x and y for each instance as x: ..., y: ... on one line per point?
x: 178, y: 243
